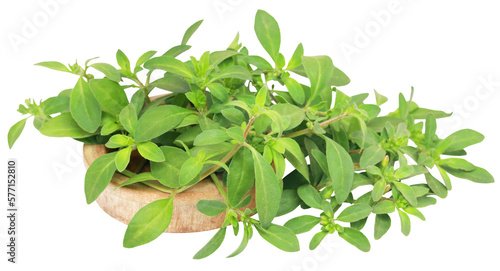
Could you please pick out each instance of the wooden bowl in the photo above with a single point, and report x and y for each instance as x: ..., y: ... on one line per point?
x: 124, y: 202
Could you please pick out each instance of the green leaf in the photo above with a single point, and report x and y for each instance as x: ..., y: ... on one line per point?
x: 158, y: 121
x: 341, y: 169
x: 384, y: 207
x: 190, y: 170
x: 54, y: 65
x: 426, y: 201
x: 122, y: 158
x: 170, y: 64
x: 289, y: 111
x: 436, y: 186
x: 295, y: 90
x: 84, y: 107
x: 243, y: 244
x: 310, y: 196
x: 236, y: 133
x: 405, y: 223
x: 374, y: 171
x: 190, y: 31
x: 355, y: 212
x: 177, y: 50
x: 149, y: 223
x: 319, y: 70
x: 414, y: 211
x: 99, y: 175
x: 63, y: 126
x: 128, y: 118
x: 150, y: 151
x: 56, y: 104
x: 267, y: 189
x: 445, y: 177
x: 172, y: 83
x: 138, y: 100
x: 296, y: 59
x: 259, y: 62
x: 110, y: 95
x: 15, y: 131
x: 444, y: 144
x: 210, y: 137
x: 339, y: 78
x: 430, y: 129
x: 316, y: 240
x: 217, y: 57
x: 168, y: 171
x: 261, y: 97
x: 302, y: 224
x: 233, y: 115
x: 404, y: 172
x: 356, y: 238
x: 237, y: 72
x: 109, y: 71
x: 295, y: 156
x: 421, y: 113
x: 123, y: 61
x: 268, y: 33
x: 403, y: 106
x: 321, y: 159
x: 290, y: 200
x: 219, y: 92
x: 371, y: 156
x: 118, y: 141
x: 457, y: 163
x: 463, y: 139
x: 240, y: 178
x: 212, y: 245
x: 144, y: 176
x: 378, y: 190
x: 478, y: 175
x: 379, y: 98
x: 109, y: 128
x: 378, y: 124
x: 360, y: 180
x: 211, y: 207
x: 382, y: 225
x: 279, y: 236
x: 144, y: 57
x: 407, y: 192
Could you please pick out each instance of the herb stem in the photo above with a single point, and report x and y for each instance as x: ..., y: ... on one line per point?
x: 151, y: 184
x: 323, y: 124
x: 221, y: 189
x: 223, y: 160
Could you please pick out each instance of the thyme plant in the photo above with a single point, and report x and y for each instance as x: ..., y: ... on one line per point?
x: 243, y: 116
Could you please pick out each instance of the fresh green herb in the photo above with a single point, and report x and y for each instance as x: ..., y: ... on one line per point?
x: 233, y: 112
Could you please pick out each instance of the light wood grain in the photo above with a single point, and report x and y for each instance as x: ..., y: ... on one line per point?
x: 122, y: 203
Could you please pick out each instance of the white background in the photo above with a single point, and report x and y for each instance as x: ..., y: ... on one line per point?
x: 445, y: 49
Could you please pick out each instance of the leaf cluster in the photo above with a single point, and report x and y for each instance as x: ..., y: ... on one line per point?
x: 241, y: 116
